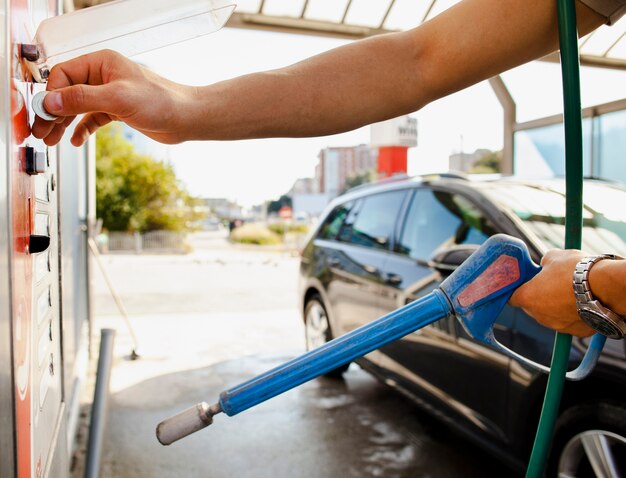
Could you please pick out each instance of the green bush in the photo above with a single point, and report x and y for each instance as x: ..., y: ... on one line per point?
x: 254, y: 234
x: 137, y: 193
x: 279, y: 228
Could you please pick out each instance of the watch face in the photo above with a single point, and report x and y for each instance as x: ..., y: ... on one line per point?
x: 601, y: 323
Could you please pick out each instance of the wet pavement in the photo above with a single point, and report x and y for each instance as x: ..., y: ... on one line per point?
x: 210, y: 320
x: 326, y: 428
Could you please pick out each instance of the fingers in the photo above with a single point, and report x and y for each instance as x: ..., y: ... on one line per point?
x: 55, y: 135
x: 78, y: 99
x: 42, y: 128
x: 52, y: 132
x: 572, y: 325
x: 98, y: 84
x: 580, y: 329
x: 89, y: 125
x: 519, y: 296
x: 549, y: 256
x: 75, y: 71
x: 92, y: 69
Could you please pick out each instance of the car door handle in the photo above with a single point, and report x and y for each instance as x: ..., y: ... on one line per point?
x: 393, y: 279
x: 332, y: 262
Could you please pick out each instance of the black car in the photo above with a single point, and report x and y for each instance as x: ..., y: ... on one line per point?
x: 380, y: 246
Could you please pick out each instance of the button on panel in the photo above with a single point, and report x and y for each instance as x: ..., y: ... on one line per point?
x: 42, y: 348
x: 44, y: 303
x: 42, y: 188
x: 42, y: 266
x: 36, y: 161
x: 42, y: 224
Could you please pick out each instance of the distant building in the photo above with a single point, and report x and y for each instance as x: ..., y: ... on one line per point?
x: 222, y: 207
x: 465, y: 161
x: 393, y: 138
x: 309, y: 205
x: 336, y: 165
x: 307, y: 201
x: 304, y: 186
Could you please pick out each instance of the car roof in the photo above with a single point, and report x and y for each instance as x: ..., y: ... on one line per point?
x: 471, y: 183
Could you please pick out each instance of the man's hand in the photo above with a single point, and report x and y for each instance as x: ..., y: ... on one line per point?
x: 108, y: 87
x: 549, y: 297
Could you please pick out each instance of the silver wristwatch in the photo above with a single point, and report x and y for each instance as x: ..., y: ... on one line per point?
x: 590, y: 310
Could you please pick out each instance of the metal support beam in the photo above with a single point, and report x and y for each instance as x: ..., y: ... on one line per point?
x: 591, y: 61
x: 509, y: 118
x: 345, y: 12
x: 301, y: 26
x: 304, y: 7
x: 386, y: 15
x: 428, y: 10
x: 588, y: 112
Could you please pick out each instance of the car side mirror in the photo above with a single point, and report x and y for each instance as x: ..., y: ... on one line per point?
x: 445, y: 261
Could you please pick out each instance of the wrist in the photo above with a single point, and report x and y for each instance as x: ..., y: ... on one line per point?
x: 606, y: 285
x: 187, y: 119
x: 204, y: 117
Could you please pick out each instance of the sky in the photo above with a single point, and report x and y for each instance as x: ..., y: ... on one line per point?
x: 251, y: 172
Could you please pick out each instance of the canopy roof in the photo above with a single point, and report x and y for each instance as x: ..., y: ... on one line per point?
x: 605, y: 47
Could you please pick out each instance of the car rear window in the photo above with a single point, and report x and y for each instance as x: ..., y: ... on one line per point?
x: 542, y: 208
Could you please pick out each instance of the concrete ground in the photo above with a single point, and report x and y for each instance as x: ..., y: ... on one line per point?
x: 209, y: 320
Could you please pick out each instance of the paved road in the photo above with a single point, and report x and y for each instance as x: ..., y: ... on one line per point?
x: 223, y: 314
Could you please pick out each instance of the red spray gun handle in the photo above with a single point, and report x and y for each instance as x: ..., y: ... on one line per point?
x: 479, y: 289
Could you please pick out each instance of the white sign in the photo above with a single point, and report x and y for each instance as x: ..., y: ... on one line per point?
x: 401, y: 131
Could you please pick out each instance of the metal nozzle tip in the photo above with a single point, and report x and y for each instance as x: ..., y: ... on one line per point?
x: 186, y: 422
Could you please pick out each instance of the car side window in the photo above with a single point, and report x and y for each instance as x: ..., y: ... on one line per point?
x: 372, y: 224
x: 331, y: 225
x: 346, y: 229
x: 438, y: 219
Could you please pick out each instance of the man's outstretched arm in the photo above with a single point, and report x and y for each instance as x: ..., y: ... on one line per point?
x: 345, y: 88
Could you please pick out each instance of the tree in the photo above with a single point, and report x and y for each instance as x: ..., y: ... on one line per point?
x: 137, y: 193
x: 274, y: 206
x: 488, y: 163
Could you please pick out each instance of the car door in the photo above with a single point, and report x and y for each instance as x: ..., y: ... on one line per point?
x: 357, y: 259
x: 440, y: 362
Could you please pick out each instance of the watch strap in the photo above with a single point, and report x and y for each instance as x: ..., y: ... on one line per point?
x: 592, y: 311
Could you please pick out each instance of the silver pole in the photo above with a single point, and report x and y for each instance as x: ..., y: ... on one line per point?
x: 99, y: 407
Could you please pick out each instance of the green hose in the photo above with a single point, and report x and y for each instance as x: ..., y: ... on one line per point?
x: 568, y: 39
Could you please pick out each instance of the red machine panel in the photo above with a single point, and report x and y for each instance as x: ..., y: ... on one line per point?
x: 34, y: 261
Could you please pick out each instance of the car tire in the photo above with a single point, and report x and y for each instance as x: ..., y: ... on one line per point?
x: 590, y: 440
x: 317, y: 330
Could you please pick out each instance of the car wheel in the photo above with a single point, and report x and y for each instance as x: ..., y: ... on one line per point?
x: 317, y: 330
x: 590, y: 441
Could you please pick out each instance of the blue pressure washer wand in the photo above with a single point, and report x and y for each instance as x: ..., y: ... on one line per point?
x: 475, y: 293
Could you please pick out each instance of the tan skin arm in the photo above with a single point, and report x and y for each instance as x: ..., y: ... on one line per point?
x: 339, y: 90
x: 345, y: 88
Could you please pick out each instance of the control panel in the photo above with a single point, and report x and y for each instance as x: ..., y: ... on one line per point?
x: 37, y: 360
